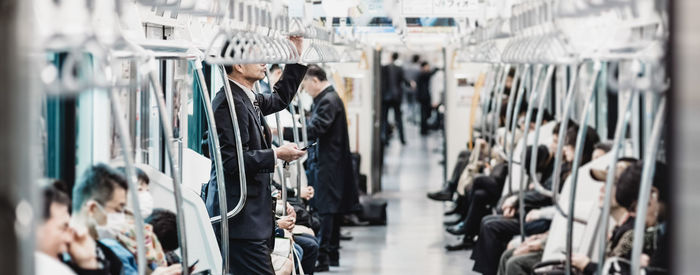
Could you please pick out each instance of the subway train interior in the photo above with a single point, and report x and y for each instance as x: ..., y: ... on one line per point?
x: 349, y: 137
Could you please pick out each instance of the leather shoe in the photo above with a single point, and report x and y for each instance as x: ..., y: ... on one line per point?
x: 453, y: 223
x: 345, y: 236
x: 460, y: 246
x: 451, y: 212
x: 440, y: 195
x: 334, y: 263
x: 353, y: 220
x: 322, y: 268
x: 458, y: 229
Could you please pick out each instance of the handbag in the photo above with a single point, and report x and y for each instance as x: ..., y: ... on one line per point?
x: 472, y: 169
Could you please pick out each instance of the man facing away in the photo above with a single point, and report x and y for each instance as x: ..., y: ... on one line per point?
x: 251, y: 232
x: 335, y: 189
x: 393, y: 81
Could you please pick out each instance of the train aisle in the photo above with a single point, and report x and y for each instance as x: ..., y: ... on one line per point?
x: 413, y: 240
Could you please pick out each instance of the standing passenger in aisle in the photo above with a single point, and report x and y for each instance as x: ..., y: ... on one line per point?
x: 393, y: 79
x: 336, y: 193
x: 424, y: 96
x: 251, y: 232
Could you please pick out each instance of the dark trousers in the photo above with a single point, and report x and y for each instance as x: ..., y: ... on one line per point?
x: 310, y: 246
x: 485, y: 192
x: 330, y: 237
x: 516, y: 265
x: 250, y: 257
x: 494, y: 235
x: 398, y: 119
x: 425, y: 111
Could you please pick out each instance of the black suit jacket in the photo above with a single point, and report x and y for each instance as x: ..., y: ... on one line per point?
x: 256, y: 221
x: 393, y: 79
x: 335, y: 186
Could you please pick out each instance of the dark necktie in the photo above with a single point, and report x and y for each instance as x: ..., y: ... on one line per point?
x: 261, y: 118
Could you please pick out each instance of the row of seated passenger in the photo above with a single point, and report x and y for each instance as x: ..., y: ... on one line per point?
x: 94, y: 233
x: 488, y: 213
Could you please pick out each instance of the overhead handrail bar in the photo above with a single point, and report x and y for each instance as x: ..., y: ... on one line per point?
x: 520, y: 72
x: 192, y: 10
x: 580, y: 138
x: 174, y: 169
x: 620, y: 134
x: 645, y: 186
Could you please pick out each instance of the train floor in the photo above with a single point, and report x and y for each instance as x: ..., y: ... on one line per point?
x: 413, y: 240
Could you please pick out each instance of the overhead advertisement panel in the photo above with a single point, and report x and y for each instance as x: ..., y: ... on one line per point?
x: 447, y: 8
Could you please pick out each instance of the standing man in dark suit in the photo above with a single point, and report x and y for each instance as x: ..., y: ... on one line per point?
x: 393, y: 81
x: 335, y: 189
x: 251, y: 231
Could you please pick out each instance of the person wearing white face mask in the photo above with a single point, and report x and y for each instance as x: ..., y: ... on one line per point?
x: 99, y: 199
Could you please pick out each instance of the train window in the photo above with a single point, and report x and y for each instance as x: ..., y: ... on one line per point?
x: 601, y: 104
x: 196, y: 116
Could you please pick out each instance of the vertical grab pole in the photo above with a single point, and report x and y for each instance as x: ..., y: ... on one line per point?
x: 281, y: 171
x: 528, y: 115
x: 580, y: 138
x: 620, y: 133
x: 239, y: 153
x: 125, y: 143
x: 538, y: 123
x: 563, y: 127
x: 497, y: 108
x: 296, y: 140
x: 492, y: 83
x: 514, y: 124
x: 280, y: 137
x: 218, y: 163
x: 645, y: 187
x: 168, y: 132
x: 302, y: 114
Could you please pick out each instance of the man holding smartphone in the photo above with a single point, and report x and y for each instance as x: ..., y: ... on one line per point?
x: 335, y: 187
x: 251, y: 232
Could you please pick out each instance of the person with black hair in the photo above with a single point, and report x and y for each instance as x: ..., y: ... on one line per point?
x: 249, y: 250
x: 497, y: 230
x: 335, y: 189
x: 165, y: 228
x: 393, y: 81
x: 99, y: 199
x: 622, y: 237
x: 145, y: 196
x: 53, y: 233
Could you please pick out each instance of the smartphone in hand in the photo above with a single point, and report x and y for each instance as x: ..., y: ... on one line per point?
x: 308, y: 146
